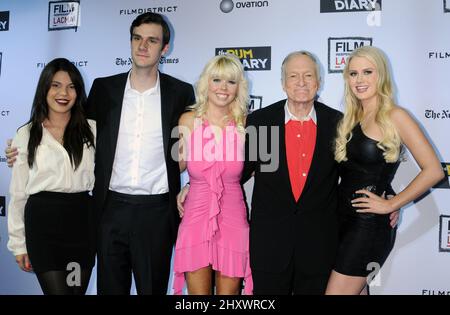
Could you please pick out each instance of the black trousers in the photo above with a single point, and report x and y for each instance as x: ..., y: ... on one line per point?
x: 134, y: 239
x: 290, y: 281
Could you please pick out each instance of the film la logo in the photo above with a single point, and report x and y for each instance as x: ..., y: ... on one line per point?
x: 254, y: 103
x: 339, y: 49
x: 4, y: 21
x: 444, y: 183
x: 63, y: 15
x: 252, y: 58
x: 336, y: 6
x: 444, y: 233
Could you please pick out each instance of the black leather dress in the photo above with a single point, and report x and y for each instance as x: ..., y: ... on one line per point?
x: 365, y: 238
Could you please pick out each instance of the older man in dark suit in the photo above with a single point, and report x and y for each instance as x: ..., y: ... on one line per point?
x: 294, y: 227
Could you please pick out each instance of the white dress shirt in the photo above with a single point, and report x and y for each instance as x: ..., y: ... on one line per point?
x: 52, y: 171
x: 288, y: 115
x: 139, y: 166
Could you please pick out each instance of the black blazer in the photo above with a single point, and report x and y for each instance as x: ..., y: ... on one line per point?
x: 105, y: 106
x: 280, y: 227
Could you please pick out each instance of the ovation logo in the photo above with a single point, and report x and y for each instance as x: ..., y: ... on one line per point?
x: 226, y: 6
x: 333, y: 6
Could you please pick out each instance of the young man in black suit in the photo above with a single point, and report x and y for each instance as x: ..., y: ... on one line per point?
x: 136, y: 180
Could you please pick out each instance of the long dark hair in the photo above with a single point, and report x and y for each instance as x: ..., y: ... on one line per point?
x: 78, y: 131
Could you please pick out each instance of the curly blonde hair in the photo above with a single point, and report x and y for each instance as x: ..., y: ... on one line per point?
x: 391, y: 142
x: 226, y: 67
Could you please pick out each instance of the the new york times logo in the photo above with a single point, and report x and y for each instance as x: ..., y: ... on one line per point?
x: 4, y: 21
x: 2, y: 206
x: 444, y: 183
x: 123, y: 61
x: 63, y: 15
x: 226, y: 6
x: 432, y: 114
x: 252, y: 58
x: 165, y: 60
x: 255, y: 103
x: 444, y: 233
x: 333, y: 6
x: 339, y: 49
x: 127, y: 61
x: 446, y: 6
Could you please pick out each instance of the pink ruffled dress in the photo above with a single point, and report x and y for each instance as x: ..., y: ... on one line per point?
x: 214, y: 229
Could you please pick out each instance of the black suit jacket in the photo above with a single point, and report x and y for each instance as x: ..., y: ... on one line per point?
x: 105, y: 106
x: 280, y: 227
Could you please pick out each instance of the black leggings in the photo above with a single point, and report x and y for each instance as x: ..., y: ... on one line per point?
x: 60, y: 282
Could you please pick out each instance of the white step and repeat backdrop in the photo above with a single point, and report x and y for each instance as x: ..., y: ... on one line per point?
x: 94, y: 34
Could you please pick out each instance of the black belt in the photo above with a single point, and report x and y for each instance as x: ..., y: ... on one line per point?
x: 139, y: 199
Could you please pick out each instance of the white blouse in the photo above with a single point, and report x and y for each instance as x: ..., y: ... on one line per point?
x: 52, y: 171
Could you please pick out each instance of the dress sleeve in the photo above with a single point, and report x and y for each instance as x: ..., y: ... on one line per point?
x: 18, y: 196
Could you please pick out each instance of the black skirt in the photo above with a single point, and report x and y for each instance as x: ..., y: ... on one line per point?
x: 59, y: 230
x: 366, y: 239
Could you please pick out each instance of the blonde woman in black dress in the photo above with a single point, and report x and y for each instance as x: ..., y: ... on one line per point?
x: 369, y: 142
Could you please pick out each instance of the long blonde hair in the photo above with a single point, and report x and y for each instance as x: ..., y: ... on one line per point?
x: 391, y: 142
x: 227, y: 67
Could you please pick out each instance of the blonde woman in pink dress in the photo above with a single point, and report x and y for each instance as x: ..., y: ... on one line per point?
x: 214, y: 232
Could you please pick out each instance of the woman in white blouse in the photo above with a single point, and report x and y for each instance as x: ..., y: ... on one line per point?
x: 50, y: 222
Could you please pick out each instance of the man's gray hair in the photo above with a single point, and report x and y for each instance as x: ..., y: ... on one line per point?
x: 296, y: 54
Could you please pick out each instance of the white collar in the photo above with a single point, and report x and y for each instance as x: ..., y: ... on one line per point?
x: 152, y: 90
x: 288, y: 115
